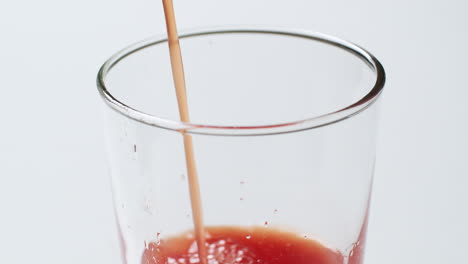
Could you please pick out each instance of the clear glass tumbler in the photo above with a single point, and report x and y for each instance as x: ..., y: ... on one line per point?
x: 283, y: 124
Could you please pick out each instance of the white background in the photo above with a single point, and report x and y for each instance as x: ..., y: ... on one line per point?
x: 55, y: 203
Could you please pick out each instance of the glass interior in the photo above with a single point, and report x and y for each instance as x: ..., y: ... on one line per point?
x: 244, y: 79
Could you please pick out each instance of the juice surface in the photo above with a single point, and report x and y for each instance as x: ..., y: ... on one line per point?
x: 236, y: 245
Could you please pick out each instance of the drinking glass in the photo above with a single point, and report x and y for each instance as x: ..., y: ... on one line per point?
x: 283, y: 124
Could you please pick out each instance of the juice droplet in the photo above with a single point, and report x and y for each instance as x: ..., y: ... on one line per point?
x: 275, y: 211
x: 266, y: 223
x: 158, y: 238
x: 147, y: 206
x: 248, y: 237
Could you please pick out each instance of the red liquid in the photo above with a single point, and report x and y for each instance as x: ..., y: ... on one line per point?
x: 235, y: 245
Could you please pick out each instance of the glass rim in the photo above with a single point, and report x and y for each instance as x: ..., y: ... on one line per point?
x: 280, y: 128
